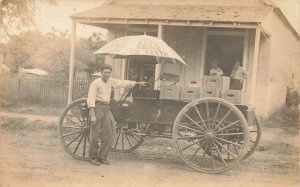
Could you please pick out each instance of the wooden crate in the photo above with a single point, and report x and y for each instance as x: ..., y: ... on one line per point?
x: 170, y: 92
x: 189, y: 93
x: 233, y: 96
x: 219, y: 82
x: 193, y: 82
x: 210, y: 92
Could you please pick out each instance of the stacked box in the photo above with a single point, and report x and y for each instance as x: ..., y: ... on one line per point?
x: 170, y: 83
x: 218, y: 82
x: 170, y: 92
x: 189, y: 93
x: 209, y: 92
x: 233, y: 96
x: 194, y: 82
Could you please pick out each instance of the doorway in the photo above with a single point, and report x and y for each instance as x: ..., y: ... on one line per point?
x: 226, y: 49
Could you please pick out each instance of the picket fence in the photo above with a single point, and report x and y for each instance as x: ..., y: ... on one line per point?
x: 49, y: 90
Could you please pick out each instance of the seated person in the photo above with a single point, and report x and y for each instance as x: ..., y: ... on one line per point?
x: 215, y: 70
x: 238, y: 74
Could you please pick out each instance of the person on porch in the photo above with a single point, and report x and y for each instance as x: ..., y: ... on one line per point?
x: 238, y: 74
x: 102, y: 121
x: 215, y: 70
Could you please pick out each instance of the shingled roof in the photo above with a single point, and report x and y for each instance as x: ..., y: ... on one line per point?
x: 177, y: 12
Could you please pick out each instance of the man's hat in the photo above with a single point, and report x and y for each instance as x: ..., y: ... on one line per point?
x: 106, y: 66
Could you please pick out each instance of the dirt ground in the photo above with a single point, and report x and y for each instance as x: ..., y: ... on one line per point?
x: 31, y: 155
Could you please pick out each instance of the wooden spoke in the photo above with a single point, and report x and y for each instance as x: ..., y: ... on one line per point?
x: 200, y: 116
x: 225, y: 149
x: 194, y: 122
x: 77, y: 146
x: 226, y: 115
x: 230, y: 134
x: 212, y: 155
x: 230, y: 142
x: 226, y: 127
x: 219, y: 153
x: 191, y: 145
x: 72, y: 127
x: 74, y: 139
x: 223, y: 133
x: 237, y: 152
x: 191, y: 129
x: 207, y: 110
x: 117, y: 139
x: 122, y: 138
x: 217, y: 111
x: 190, y: 137
x: 126, y: 134
x: 72, y: 133
x: 75, y: 123
x: 128, y: 140
x: 200, y: 146
x: 135, y: 138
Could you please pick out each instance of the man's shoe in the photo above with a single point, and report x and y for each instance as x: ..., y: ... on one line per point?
x: 103, y: 161
x: 95, y: 162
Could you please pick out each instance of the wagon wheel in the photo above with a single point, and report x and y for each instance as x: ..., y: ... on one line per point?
x: 254, y: 137
x: 207, y: 129
x: 128, y: 137
x: 73, y: 129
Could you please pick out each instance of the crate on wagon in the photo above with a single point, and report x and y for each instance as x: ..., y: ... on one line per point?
x: 170, y: 92
x: 233, y: 96
x: 219, y: 82
x: 189, y: 93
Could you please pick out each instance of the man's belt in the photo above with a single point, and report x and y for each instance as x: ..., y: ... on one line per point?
x: 102, y: 103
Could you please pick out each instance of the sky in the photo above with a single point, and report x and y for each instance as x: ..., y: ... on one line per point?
x: 57, y: 16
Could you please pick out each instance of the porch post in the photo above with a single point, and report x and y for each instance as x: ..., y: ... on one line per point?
x: 158, y: 66
x: 1, y: 60
x: 72, y: 62
x: 254, y: 67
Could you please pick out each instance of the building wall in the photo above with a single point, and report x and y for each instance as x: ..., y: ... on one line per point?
x: 188, y: 43
x: 262, y: 98
x: 283, y: 62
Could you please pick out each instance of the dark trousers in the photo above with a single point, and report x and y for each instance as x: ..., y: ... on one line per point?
x: 236, y: 84
x: 103, y: 130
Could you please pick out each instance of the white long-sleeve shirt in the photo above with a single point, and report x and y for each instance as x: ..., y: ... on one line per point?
x: 239, y: 73
x: 101, y: 91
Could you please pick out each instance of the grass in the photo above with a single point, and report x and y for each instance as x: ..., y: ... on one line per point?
x: 286, y: 118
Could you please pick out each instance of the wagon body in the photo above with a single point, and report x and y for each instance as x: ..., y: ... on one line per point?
x: 210, y: 134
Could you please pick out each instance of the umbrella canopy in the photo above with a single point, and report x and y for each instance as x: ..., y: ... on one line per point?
x: 141, y: 45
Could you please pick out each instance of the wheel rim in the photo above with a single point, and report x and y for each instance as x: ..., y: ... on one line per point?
x: 73, y: 129
x: 128, y: 137
x: 254, y: 137
x: 208, y: 128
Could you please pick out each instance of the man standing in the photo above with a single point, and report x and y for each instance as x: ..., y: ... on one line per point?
x: 101, y: 117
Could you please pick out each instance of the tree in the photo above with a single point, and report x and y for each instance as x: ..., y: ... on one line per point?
x: 51, y: 52
x: 16, y: 14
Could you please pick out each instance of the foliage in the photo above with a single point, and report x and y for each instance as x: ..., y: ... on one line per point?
x: 16, y: 14
x: 292, y: 98
x: 51, y: 52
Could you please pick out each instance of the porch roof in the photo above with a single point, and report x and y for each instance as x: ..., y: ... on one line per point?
x: 251, y: 14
